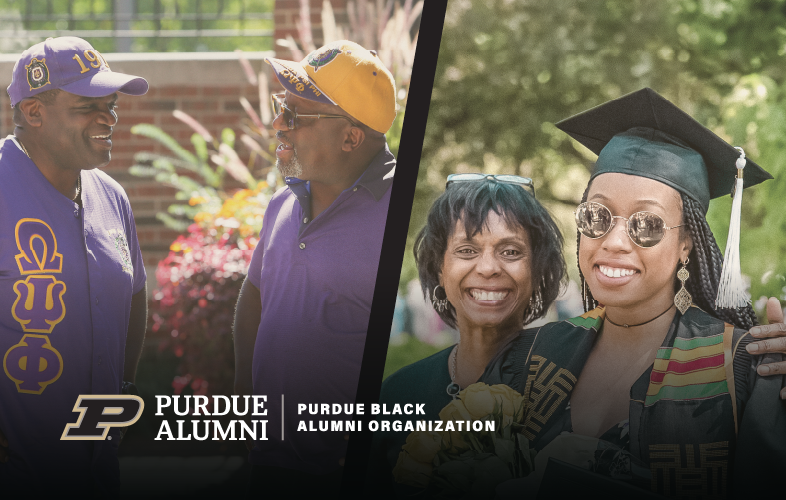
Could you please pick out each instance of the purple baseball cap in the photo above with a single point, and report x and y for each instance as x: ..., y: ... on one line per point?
x: 71, y: 64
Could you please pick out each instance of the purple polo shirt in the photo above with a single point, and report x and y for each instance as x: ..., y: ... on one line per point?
x: 316, y: 279
x: 67, y: 274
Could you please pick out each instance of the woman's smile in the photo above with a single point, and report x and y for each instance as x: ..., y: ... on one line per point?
x: 487, y: 276
x: 490, y: 297
x: 610, y: 274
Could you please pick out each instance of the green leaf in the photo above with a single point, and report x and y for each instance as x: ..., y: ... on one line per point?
x: 164, y: 164
x: 155, y: 133
x: 172, y: 223
x: 178, y: 209
x: 200, y: 146
x: 505, y: 449
x: 148, y: 157
x: 142, y: 171
x: 474, y: 443
x: 228, y: 137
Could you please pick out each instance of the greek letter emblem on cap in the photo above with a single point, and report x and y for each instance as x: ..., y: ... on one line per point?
x: 37, y: 73
x: 318, y: 59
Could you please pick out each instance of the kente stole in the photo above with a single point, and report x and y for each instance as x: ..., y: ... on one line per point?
x: 682, y: 410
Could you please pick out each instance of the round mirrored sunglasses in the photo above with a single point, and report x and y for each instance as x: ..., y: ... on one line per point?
x: 645, y: 229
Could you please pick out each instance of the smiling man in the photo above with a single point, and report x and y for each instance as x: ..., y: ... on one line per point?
x: 301, y: 320
x: 72, y: 281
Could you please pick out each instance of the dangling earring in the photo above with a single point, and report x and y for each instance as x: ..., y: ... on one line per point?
x: 439, y: 299
x: 536, y: 304
x: 683, y: 299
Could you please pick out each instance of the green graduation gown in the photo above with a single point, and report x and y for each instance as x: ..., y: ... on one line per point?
x: 701, y: 421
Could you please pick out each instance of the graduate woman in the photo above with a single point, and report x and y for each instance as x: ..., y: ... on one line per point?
x: 653, y: 386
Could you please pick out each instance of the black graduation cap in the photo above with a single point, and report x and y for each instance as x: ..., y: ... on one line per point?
x: 644, y: 134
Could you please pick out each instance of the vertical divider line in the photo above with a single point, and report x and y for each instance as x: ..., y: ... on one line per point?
x: 394, y: 242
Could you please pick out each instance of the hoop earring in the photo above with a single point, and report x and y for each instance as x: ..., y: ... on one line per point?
x: 683, y: 299
x: 439, y: 299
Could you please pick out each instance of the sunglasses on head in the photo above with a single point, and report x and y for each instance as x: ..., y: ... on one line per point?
x: 290, y: 117
x: 524, y: 182
x: 645, y: 229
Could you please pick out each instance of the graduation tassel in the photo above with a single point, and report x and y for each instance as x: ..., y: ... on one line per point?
x: 731, y: 291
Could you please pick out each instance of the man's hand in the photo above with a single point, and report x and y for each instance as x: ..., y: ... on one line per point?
x: 3, y: 448
x: 775, y: 335
x: 135, y: 340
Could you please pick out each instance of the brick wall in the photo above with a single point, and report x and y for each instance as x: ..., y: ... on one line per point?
x: 206, y: 85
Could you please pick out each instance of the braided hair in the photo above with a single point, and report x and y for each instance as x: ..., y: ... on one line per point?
x: 705, y: 264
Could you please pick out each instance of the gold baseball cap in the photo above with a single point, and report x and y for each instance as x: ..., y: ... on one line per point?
x: 347, y: 75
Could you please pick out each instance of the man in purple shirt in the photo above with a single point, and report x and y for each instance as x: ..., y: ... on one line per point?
x: 302, y: 315
x: 72, y: 281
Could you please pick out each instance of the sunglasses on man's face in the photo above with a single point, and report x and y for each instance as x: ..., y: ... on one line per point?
x: 524, y: 182
x: 645, y: 229
x: 290, y: 117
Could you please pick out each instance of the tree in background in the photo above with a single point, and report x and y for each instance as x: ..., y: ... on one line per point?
x: 508, y: 70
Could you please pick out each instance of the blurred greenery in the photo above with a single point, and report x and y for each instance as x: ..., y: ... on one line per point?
x: 509, y: 69
x: 405, y: 353
x: 58, y: 13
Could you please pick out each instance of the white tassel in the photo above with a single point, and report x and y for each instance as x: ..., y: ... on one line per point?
x: 731, y: 291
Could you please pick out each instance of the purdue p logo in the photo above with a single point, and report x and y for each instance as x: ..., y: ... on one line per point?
x: 100, y: 412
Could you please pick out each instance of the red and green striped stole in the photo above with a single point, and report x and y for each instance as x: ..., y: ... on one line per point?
x: 691, y: 369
